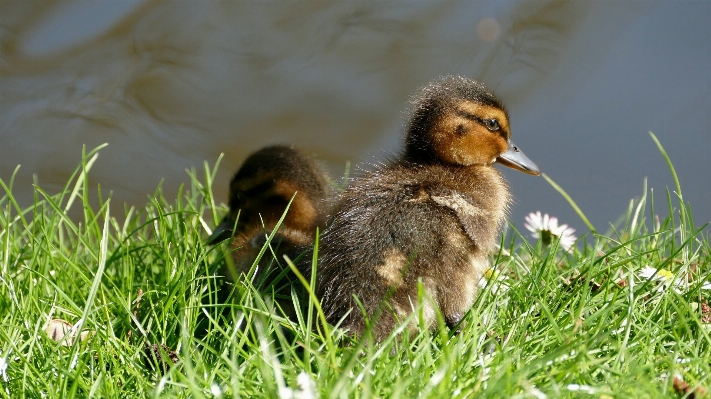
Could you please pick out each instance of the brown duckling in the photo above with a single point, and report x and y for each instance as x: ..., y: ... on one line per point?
x: 433, y: 215
x: 259, y: 194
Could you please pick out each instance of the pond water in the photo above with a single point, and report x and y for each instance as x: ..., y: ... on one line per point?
x: 171, y: 84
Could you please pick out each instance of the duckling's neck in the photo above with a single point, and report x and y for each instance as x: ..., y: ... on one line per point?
x: 418, y: 150
x: 415, y: 154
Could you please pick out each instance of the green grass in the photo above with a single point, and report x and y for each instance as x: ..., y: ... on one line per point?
x: 557, y: 324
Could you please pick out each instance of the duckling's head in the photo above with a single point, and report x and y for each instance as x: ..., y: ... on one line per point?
x: 458, y: 121
x: 264, y: 186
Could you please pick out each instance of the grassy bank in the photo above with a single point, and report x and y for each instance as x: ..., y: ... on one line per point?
x: 550, y: 322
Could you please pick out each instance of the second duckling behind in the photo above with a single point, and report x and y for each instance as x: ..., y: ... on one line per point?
x: 260, y: 192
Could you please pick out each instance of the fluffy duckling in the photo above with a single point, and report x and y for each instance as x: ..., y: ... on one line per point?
x: 433, y: 215
x: 259, y: 194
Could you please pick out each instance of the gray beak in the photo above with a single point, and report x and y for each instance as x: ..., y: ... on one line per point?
x: 515, y: 159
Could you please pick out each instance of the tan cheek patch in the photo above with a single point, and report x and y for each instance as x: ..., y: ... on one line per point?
x: 302, y: 212
x: 471, y: 149
x: 501, y: 144
x: 490, y: 147
x: 447, y: 143
x: 477, y: 146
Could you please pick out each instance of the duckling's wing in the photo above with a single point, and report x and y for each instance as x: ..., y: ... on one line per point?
x: 479, y: 223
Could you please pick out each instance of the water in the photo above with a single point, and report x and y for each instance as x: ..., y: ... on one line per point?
x: 171, y: 84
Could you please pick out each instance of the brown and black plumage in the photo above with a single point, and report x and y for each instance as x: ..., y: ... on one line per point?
x: 433, y: 215
x: 259, y: 194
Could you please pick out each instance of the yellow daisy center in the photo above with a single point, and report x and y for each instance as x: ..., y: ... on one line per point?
x: 490, y: 273
x: 667, y: 274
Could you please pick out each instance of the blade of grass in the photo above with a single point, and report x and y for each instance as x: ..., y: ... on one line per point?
x: 571, y: 202
x: 682, y: 207
x: 103, y: 249
x: 85, y: 167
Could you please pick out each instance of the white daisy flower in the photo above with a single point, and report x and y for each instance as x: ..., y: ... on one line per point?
x: 494, y: 277
x: 307, y: 387
x: 546, y: 228
x: 666, y: 277
x: 3, y: 368
x: 216, y: 391
x: 663, y: 276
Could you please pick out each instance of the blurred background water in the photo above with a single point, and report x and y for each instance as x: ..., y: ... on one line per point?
x: 171, y: 84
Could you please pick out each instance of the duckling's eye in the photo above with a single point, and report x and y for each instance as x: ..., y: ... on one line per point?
x: 492, y: 124
x: 461, y: 130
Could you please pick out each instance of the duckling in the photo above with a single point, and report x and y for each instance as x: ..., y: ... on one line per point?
x: 431, y: 215
x: 260, y: 191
